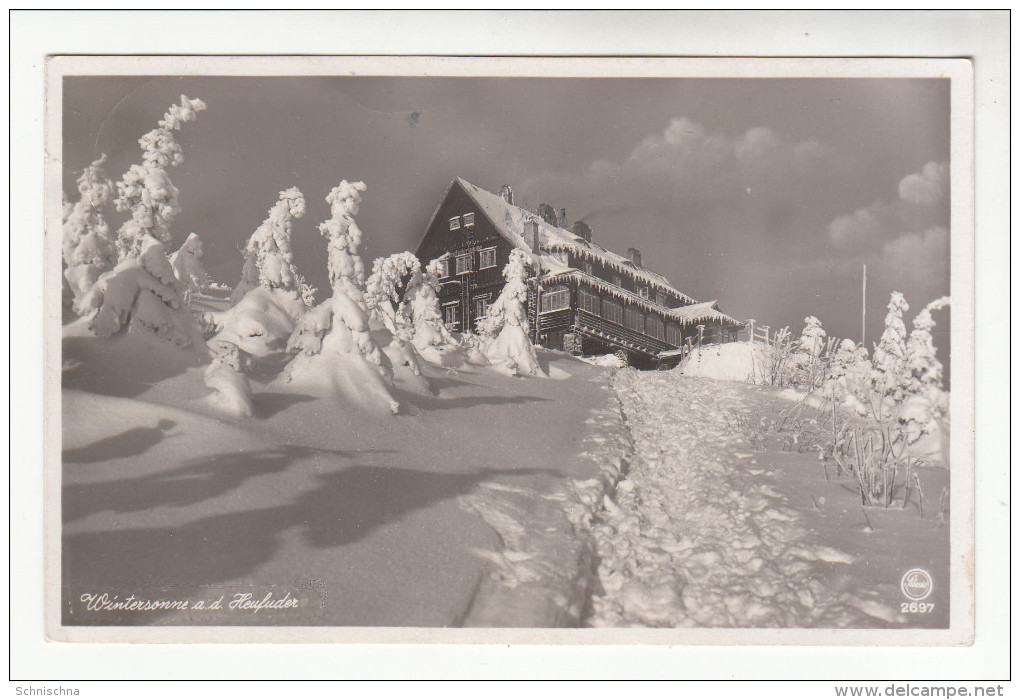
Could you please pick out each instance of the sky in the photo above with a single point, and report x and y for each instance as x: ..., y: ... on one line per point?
x: 768, y: 195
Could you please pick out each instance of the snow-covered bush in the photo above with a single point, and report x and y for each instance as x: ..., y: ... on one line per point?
x: 268, y: 259
x: 430, y: 337
x: 187, y: 264
x: 88, y: 248
x: 474, y: 350
x: 142, y: 294
x: 145, y: 190
x: 848, y: 375
x: 890, y: 373
x: 225, y: 375
x: 506, y: 325
x: 333, y: 344
x: 261, y: 323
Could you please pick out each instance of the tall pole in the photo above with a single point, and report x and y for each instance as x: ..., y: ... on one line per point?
x: 864, y: 302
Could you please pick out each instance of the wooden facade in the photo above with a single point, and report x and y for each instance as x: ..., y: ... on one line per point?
x: 582, y: 298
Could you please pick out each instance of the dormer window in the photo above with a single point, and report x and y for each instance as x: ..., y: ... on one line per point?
x: 588, y: 268
x: 469, y: 220
x: 617, y: 280
x: 660, y: 299
x: 643, y: 291
x: 454, y: 223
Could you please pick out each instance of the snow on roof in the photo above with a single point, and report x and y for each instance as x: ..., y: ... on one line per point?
x: 510, y: 219
x: 703, y: 311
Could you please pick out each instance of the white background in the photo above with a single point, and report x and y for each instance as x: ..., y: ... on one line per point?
x: 980, y: 35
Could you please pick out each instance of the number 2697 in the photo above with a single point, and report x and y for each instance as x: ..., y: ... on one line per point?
x: 916, y: 608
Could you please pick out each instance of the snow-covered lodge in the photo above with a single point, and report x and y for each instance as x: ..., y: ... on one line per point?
x: 583, y: 299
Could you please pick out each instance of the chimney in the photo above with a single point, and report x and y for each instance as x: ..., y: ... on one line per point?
x: 507, y: 193
x: 635, y: 256
x: 581, y: 230
x: 530, y: 235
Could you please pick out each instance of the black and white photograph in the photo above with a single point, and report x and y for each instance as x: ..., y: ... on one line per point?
x: 501, y: 351
x: 657, y: 357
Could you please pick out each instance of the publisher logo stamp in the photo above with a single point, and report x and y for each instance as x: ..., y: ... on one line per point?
x: 916, y: 584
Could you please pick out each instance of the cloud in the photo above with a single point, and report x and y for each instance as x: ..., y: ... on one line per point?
x: 924, y: 253
x: 921, y: 205
x: 928, y: 187
x: 690, y: 166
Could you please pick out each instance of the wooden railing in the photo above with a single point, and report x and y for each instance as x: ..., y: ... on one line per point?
x: 615, y: 333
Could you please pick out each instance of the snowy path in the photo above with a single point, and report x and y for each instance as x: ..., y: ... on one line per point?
x: 697, y: 536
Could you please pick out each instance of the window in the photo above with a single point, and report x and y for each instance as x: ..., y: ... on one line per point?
x: 588, y: 301
x: 450, y: 316
x: 673, y: 334
x: 555, y: 299
x: 487, y: 258
x: 660, y: 299
x: 454, y: 223
x: 654, y: 328
x: 612, y: 311
x: 469, y: 220
x: 464, y: 263
x: 481, y: 306
x: 444, y: 268
x: 588, y: 267
x: 643, y: 291
x: 617, y: 280
x: 634, y: 319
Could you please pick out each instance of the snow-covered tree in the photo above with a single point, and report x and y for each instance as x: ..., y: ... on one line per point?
x: 145, y: 190
x: 333, y: 342
x: 812, y: 338
x: 225, y: 375
x: 143, y: 295
x: 890, y: 357
x: 506, y: 324
x: 382, y: 298
x: 88, y: 248
x: 922, y: 361
x: 268, y: 259
x: 187, y: 264
x: 925, y: 402
x: 422, y: 296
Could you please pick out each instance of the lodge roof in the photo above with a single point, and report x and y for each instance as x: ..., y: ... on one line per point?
x: 509, y: 221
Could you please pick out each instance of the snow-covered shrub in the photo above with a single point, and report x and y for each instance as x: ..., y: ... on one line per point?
x: 430, y: 337
x: 474, y: 350
x: 890, y: 372
x: 268, y: 259
x: 88, y: 248
x: 848, y: 374
x: 261, y: 323
x: 333, y: 344
x: 506, y: 325
x: 187, y: 264
x: 225, y: 376
x: 145, y: 190
x: 777, y: 358
x: 142, y: 294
